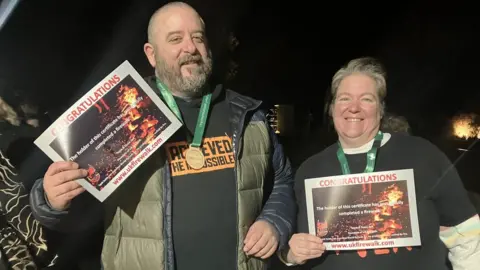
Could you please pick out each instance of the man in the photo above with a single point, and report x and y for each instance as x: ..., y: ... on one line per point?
x: 231, y: 210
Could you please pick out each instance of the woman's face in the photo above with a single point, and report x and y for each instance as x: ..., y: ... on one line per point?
x: 356, y: 110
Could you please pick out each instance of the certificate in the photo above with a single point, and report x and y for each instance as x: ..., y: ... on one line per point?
x: 364, y: 211
x: 111, y: 130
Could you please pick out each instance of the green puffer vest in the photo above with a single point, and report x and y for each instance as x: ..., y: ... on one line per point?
x: 134, y: 237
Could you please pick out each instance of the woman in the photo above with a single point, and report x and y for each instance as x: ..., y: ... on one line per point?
x: 357, y: 107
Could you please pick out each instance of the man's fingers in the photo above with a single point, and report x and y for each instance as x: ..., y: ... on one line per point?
x: 66, y: 188
x: 269, y: 252
x: 264, y: 249
x: 261, y: 243
x: 66, y: 176
x: 61, y: 166
x: 249, y: 235
x: 251, y: 239
x: 72, y: 194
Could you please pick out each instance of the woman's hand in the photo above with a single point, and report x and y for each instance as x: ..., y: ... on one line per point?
x: 303, y: 247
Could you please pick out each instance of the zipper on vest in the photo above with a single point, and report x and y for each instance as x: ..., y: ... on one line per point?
x: 235, y: 142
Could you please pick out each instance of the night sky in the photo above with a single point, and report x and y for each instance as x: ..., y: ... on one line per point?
x: 54, y: 51
x: 287, y: 52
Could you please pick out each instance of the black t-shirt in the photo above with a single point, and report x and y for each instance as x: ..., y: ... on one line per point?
x: 204, y: 201
x: 441, y: 201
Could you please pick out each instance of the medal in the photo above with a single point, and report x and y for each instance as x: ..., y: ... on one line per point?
x: 195, y: 158
x: 194, y: 155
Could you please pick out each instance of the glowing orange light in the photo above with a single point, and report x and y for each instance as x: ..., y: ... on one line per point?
x: 464, y: 127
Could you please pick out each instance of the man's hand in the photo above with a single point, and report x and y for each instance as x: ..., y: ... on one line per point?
x: 303, y: 247
x: 60, y: 185
x: 261, y: 240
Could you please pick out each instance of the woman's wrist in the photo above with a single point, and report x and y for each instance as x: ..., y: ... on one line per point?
x: 285, y: 256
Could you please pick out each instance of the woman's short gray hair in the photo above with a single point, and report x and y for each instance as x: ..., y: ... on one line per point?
x: 367, y: 66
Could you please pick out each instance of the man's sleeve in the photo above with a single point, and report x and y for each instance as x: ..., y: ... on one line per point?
x: 41, y: 210
x: 301, y: 222
x: 83, y: 213
x: 280, y: 208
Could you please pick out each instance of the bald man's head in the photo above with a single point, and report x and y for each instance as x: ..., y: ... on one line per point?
x: 177, y: 48
x: 165, y: 10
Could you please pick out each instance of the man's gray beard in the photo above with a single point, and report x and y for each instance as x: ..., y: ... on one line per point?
x: 191, y: 86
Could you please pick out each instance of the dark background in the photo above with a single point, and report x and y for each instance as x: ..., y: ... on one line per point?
x: 52, y: 52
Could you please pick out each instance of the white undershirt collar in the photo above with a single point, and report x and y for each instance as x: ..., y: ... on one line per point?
x: 366, y: 147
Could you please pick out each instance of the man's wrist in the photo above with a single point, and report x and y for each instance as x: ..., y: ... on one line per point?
x: 51, y: 207
x: 274, y: 228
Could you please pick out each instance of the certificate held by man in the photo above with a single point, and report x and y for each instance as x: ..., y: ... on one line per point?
x: 111, y: 130
x: 364, y: 211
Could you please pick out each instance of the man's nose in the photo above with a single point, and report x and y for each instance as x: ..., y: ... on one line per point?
x: 189, y: 46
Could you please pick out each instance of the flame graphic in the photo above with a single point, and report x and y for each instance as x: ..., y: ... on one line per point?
x: 130, y: 125
x: 384, y: 220
x: 141, y: 127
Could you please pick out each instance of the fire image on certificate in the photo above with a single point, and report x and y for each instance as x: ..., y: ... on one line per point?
x: 360, y: 212
x: 111, y: 132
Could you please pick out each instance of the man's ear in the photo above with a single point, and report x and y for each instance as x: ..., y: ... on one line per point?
x: 149, y: 51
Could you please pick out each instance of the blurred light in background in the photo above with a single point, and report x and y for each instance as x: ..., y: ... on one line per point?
x: 466, y: 126
x: 281, y: 119
x: 6, y: 9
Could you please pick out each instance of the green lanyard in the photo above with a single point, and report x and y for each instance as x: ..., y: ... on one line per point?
x: 202, y: 117
x: 371, y: 155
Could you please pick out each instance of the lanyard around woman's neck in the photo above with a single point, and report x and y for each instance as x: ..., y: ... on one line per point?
x: 371, y: 155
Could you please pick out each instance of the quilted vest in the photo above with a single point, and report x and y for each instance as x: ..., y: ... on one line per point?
x: 134, y: 237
